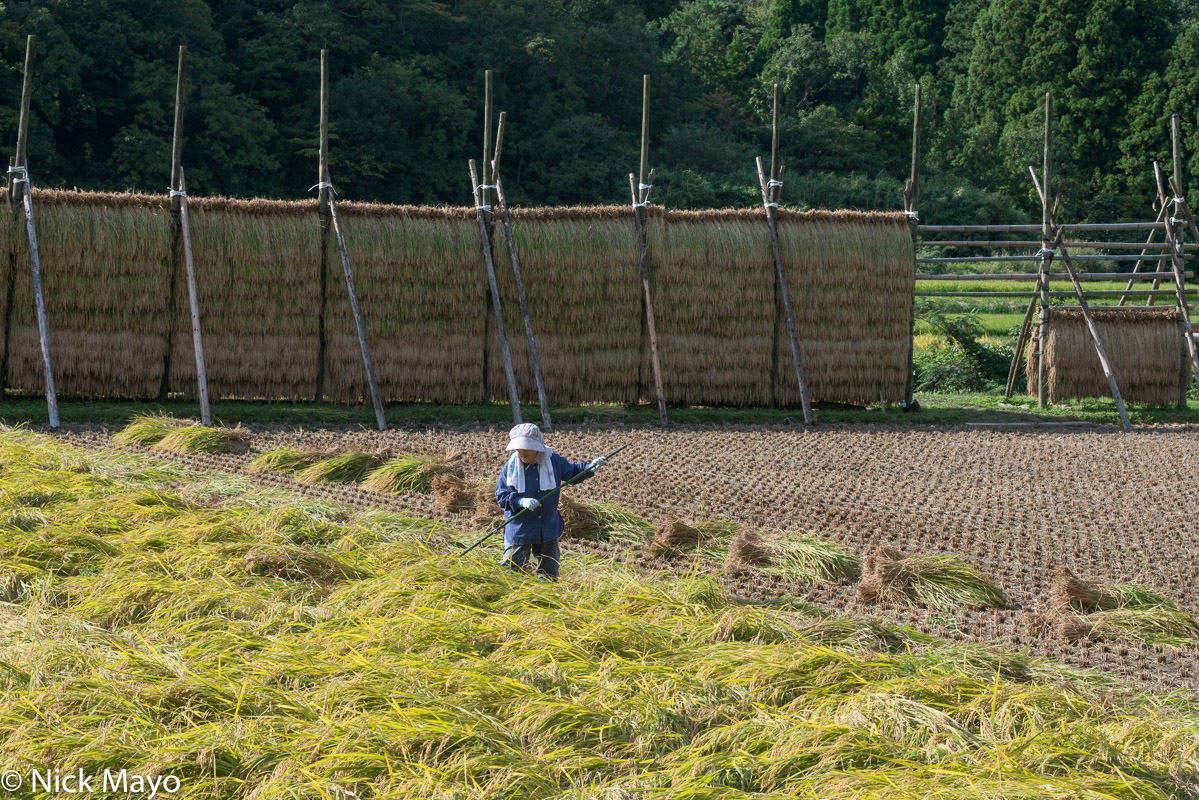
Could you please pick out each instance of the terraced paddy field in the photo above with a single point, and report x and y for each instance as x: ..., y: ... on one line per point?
x: 256, y: 636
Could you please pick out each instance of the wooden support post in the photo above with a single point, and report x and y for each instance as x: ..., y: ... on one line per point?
x: 39, y: 302
x: 376, y: 398
x: 524, y: 305
x: 639, y: 219
x: 1145, y: 251
x: 20, y: 159
x: 775, y: 188
x: 485, y: 240
x: 641, y: 194
x: 1086, y: 313
x: 177, y: 140
x: 1046, y: 256
x: 192, y: 297
x: 1184, y: 311
x: 323, y: 186
x: 488, y: 156
x: 781, y: 274
x: 19, y: 183
x: 1170, y: 222
x: 911, y: 198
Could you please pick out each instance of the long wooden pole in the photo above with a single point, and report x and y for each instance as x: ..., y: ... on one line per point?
x: 19, y: 180
x: 193, y: 297
x: 1184, y: 311
x: 1086, y: 313
x: 20, y: 159
x: 775, y: 188
x: 488, y: 155
x: 1149, y: 246
x: 40, y: 304
x: 639, y: 219
x: 323, y: 186
x: 1046, y: 256
x: 376, y: 398
x: 485, y: 240
x: 911, y: 198
x: 641, y: 194
x: 524, y: 305
x: 781, y: 274
x: 177, y: 140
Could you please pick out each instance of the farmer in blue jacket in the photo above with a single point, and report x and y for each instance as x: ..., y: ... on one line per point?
x: 533, y: 470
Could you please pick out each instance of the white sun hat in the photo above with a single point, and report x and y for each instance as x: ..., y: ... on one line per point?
x: 527, y: 436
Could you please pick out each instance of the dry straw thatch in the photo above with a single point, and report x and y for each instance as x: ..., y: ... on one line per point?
x: 120, y: 324
x: 1144, y: 345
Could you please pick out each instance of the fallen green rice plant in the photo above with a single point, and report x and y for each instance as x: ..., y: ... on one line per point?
x: 405, y: 474
x: 340, y: 468
x: 148, y: 429
x: 201, y: 439
x: 942, y: 581
x: 283, y: 460
x: 809, y: 559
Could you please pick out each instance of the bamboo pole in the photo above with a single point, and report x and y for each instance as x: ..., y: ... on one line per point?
x: 1149, y: 243
x: 193, y: 297
x: 911, y: 197
x: 376, y: 398
x: 1074, y: 245
x: 1184, y: 310
x: 488, y: 157
x: 1037, y: 293
x: 1073, y: 226
x: 1032, y: 276
x: 774, y: 185
x: 786, y: 296
x: 177, y: 139
x: 984, y: 259
x: 1018, y: 354
x: 20, y: 159
x: 323, y: 186
x: 641, y: 194
x: 38, y: 300
x: 1161, y: 191
x: 485, y: 241
x: 651, y: 325
x: 1086, y: 313
x: 1047, y: 255
x: 524, y: 305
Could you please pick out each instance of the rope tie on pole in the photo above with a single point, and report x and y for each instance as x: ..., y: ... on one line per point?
x: 770, y: 184
x: 772, y: 205
x: 641, y: 205
x: 644, y: 186
x: 19, y: 171
x: 323, y: 185
x: 177, y: 193
x: 913, y: 216
x: 1044, y: 251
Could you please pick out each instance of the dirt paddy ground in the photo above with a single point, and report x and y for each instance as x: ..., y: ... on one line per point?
x: 1111, y: 507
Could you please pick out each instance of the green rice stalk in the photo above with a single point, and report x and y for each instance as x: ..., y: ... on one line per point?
x: 283, y: 460
x: 341, y: 468
x: 809, y: 559
x: 201, y: 439
x: 1157, y: 625
x: 148, y: 429
x: 405, y: 474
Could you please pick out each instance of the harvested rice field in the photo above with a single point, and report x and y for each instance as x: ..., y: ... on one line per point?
x: 1006, y: 510
x: 745, y: 614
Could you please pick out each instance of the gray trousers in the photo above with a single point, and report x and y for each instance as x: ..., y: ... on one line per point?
x: 518, y: 557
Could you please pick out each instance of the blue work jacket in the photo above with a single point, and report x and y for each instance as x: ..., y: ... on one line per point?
x: 544, y: 523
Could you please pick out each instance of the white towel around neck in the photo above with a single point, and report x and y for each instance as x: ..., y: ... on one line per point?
x: 514, y: 473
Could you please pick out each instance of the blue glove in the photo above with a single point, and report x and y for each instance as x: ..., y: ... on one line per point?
x: 528, y: 502
x: 599, y: 462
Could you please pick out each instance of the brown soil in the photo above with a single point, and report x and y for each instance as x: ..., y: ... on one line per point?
x: 1018, y: 505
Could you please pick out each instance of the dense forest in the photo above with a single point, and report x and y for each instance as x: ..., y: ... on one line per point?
x: 407, y: 82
